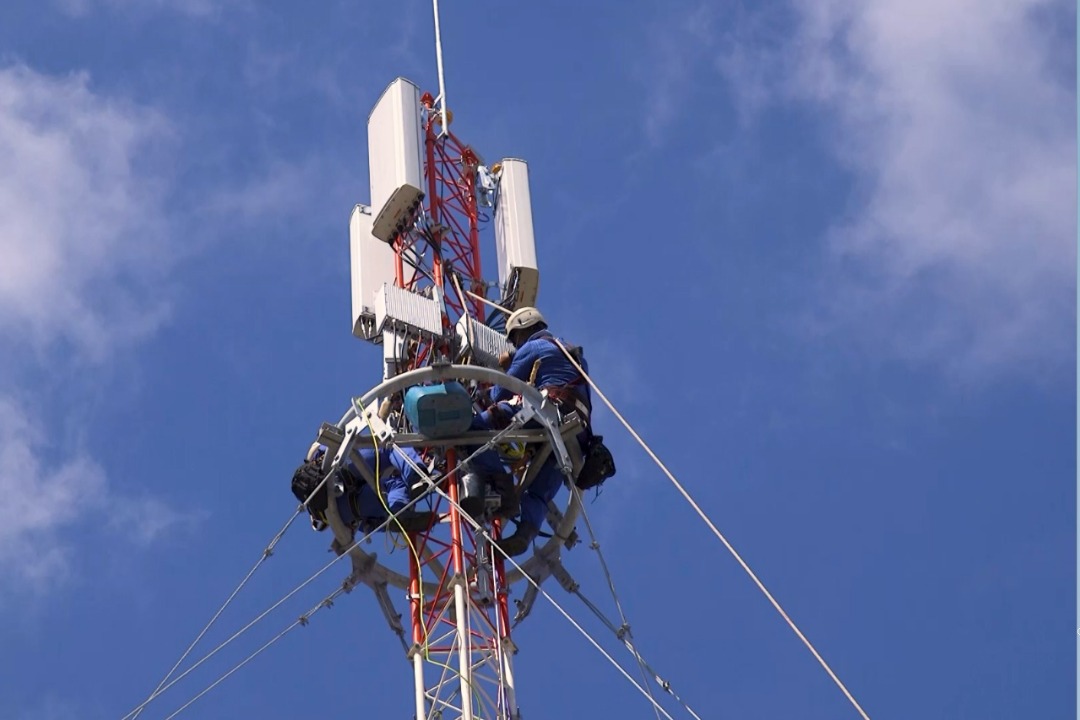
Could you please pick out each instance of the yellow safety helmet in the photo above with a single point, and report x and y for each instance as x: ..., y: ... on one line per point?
x: 512, y: 451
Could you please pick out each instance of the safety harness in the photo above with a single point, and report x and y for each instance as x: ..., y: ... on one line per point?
x: 598, y: 464
x: 567, y: 397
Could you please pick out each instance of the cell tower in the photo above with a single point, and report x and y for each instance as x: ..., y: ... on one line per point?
x: 419, y: 291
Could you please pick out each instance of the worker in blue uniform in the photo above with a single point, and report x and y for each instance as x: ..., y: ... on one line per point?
x: 482, y: 471
x: 361, y: 505
x: 537, y: 359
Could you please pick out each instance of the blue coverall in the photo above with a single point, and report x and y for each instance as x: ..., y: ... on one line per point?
x: 397, y: 476
x: 555, y: 370
x: 488, y: 462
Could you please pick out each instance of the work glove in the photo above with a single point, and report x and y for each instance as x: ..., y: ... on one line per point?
x: 505, y: 359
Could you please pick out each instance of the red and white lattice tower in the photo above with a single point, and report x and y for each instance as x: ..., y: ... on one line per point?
x: 416, y: 279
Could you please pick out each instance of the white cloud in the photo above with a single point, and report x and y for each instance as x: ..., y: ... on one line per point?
x: 960, y: 132
x: 51, y: 495
x: 146, y: 520
x: 39, y: 501
x: 191, y: 8
x: 668, y: 68
x: 50, y: 708
x: 282, y: 189
x: 85, y: 261
x: 84, y: 253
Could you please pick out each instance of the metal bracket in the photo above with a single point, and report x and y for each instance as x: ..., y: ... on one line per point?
x: 535, y: 464
x: 560, y: 573
x: 369, y: 417
x: 555, y: 518
x: 362, y: 566
x: 570, y: 428
x: 528, y: 598
x: 508, y: 645
x: 393, y: 618
x: 331, y: 436
x: 551, y: 565
x: 351, y: 433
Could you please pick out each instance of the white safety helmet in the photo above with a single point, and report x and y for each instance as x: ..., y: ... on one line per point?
x: 523, y: 318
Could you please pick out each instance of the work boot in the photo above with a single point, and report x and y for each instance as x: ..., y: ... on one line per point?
x: 520, y: 541
x: 413, y: 521
x: 510, y: 504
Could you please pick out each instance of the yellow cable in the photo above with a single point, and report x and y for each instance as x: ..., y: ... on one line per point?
x: 419, y: 567
x: 408, y: 540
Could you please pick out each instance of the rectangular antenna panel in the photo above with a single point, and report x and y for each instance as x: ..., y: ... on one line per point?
x: 395, y: 142
x: 400, y: 309
x: 514, y: 241
x: 486, y: 344
x: 372, y: 264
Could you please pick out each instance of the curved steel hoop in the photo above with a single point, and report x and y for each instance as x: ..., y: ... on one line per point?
x: 366, y: 567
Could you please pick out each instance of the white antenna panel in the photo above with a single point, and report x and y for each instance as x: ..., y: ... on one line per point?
x: 404, y: 311
x: 395, y: 142
x: 372, y: 265
x: 514, y: 241
x: 485, y: 344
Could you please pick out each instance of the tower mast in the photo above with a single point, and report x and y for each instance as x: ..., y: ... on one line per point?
x: 417, y: 285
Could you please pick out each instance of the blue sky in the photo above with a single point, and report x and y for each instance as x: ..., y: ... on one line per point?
x: 822, y: 254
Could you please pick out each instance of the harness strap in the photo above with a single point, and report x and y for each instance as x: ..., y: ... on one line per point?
x: 563, y: 396
x: 579, y: 380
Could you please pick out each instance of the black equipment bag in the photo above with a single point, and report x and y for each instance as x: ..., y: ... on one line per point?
x: 598, y: 465
x: 304, y: 481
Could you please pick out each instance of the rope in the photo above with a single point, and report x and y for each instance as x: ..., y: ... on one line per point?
x: 719, y: 535
x: 266, y: 553
x: 298, y: 588
x: 408, y: 539
x: 481, y: 530
x: 595, y: 545
x: 622, y: 636
x: 302, y: 620
x: 412, y: 548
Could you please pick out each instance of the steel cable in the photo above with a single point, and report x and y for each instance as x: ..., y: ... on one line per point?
x: 719, y: 535
x: 161, y: 689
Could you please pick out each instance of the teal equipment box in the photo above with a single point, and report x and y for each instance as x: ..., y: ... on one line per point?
x: 439, y: 410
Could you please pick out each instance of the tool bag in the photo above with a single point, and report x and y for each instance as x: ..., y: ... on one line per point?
x: 304, y: 481
x: 598, y: 465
